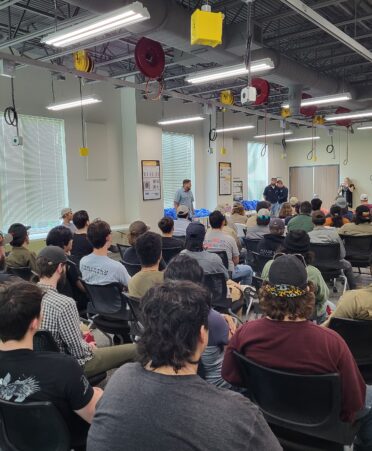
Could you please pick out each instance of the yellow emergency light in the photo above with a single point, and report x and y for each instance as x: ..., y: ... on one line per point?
x: 206, y: 27
x: 286, y: 112
x: 84, y: 151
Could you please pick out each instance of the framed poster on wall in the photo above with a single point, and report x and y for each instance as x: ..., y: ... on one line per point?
x: 151, y: 184
x: 224, y: 179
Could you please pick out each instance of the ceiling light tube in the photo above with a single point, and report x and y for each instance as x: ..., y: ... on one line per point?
x: 181, y: 120
x: 365, y: 127
x: 102, y: 24
x: 73, y: 103
x: 309, y: 138
x: 233, y: 129
x: 273, y: 135
x: 352, y: 115
x: 221, y: 73
x: 326, y: 100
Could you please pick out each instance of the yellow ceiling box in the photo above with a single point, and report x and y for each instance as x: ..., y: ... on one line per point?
x: 318, y: 120
x: 84, y: 151
x: 223, y: 151
x: 206, y: 27
x: 83, y: 62
x: 286, y: 112
x: 227, y: 97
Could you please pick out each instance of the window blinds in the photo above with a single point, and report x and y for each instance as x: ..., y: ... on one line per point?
x: 178, y: 164
x: 33, y: 177
x: 257, y: 170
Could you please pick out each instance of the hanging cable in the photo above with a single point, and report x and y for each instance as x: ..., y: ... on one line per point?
x: 312, y: 154
x: 10, y: 113
x: 264, y: 147
x: 82, y: 112
x: 346, y: 161
x: 248, y: 46
x: 331, y: 148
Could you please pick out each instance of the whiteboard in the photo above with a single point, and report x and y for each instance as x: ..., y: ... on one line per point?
x: 97, y: 143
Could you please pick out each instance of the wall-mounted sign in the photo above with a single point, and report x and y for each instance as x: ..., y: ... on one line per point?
x: 225, y: 179
x: 151, y: 184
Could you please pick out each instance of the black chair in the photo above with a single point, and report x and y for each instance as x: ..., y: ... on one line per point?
x: 251, y: 246
x: 136, y: 324
x: 327, y: 260
x: 358, y: 336
x: 132, y: 268
x: 216, y: 284
x: 170, y: 252
x: 259, y: 262
x: 31, y: 426
x: 222, y: 255
x: 303, y: 410
x: 358, y: 251
x: 24, y: 273
x: 109, y: 311
x: 122, y: 248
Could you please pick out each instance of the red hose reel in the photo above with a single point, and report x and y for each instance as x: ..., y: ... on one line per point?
x: 263, y: 90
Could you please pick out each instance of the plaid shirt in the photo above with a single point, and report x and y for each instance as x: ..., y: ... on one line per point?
x: 61, y: 319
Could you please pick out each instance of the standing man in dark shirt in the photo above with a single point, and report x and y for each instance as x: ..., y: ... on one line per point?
x: 271, y: 195
x: 282, y: 192
x: 26, y: 375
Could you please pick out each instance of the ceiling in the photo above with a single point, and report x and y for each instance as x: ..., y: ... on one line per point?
x: 277, y: 27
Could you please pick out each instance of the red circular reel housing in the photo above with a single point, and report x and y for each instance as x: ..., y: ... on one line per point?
x: 263, y: 90
x: 308, y: 111
x: 150, y: 58
x: 343, y: 122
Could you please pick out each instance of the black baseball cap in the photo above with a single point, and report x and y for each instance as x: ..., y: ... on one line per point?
x: 195, y: 231
x: 288, y: 270
x: 53, y: 254
x: 18, y: 232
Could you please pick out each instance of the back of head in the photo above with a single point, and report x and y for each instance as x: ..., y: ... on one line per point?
x: 285, y: 210
x: 263, y: 204
x: 362, y: 215
x: 136, y: 229
x: 148, y: 249
x: 336, y: 215
x: 276, y: 226
x: 166, y: 224
x: 263, y: 217
x: 305, y: 208
x: 183, y: 211
x: 316, y: 204
x: 318, y: 218
x: 80, y: 219
x: 98, y: 232
x: 183, y: 267
x: 59, y: 236
x: 172, y: 315
x: 20, y: 304
x: 195, y: 234
x: 298, y: 242
x: 216, y: 219
x: 19, y: 233
x: 49, y: 259
x: 238, y: 209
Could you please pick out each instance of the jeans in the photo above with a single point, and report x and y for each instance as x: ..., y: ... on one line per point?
x: 243, y: 274
x: 275, y: 209
x: 363, y: 441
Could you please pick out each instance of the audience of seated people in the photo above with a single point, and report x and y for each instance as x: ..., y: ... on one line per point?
x: 61, y: 318
x: 160, y: 403
x: 346, y: 213
x: 285, y: 211
x: 20, y: 256
x: 66, y: 216
x: 182, y: 221
x: 168, y: 241
x: 270, y: 242
x: 27, y: 375
x: 262, y: 204
x: 361, y: 224
x: 238, y: 214
x: 148, y: 248
x: 335, y: 218
x: 80, y: 243
x: 285, y: 338
x: 5, y: 238
x: 364, y: 201
x: 261, y: 228
x: 295, y: 204
x: 302, y: 221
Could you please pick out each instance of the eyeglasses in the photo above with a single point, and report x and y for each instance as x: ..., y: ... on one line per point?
x: 299, y: 256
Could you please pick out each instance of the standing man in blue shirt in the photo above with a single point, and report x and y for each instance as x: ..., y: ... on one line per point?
x: 184, y: 196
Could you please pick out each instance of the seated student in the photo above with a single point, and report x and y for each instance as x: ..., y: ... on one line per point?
x: 285, y: 339
x: 175, y: 409
x: 294, y: 203
x: 80, y: 243
x: 20, y: 256
x: 303, y: 220
x: 61, y: 319
x: 26, y: 375
x: 270, y: 243
x: 285, y: 211
x: 182, y: 221
x: 298, y: 242
x: 238, y: 214
x: 316, y: 205
x: 361, y: 225
x: 136, y: 229
x: 364, y: 201
x: 148, y: 248
x: 335, y: 218
x: 342, y: 203
x: 323, y: 235
x: 97, y: 268
x: 66, y: 216
x: 166, y: 225
x: 211, y: 263
x: 5, y: 238
x: 251, y: 221
x: 216, y: 239
x: 262, y: 225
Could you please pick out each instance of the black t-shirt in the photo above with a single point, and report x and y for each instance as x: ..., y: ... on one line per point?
x: 170, y: 242
x: 80, y: 247
x: 26, y: 375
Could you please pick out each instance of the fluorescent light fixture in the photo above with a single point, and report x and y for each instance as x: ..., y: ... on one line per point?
x: 309, y: 138
x: 273, y: 135
x: 233, y: 129
x: 355, y: 115
x: 73, y: 103
x: 365, y: 127
x: 326, y: 100
x: 102, y: 24
x: 229, y: 72
x: 181, y: 120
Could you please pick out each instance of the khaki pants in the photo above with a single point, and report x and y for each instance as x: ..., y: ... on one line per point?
x: 108, y: 358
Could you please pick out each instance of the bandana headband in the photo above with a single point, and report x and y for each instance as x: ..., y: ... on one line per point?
x: 285, y: 291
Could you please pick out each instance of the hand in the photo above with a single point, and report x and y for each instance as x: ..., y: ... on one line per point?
x: 92, y: 345
x: 231, y: 323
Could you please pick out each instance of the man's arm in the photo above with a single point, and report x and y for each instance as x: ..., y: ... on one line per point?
x: 177, y: 199
x: 87, y: 412
x: 347, y: 307
x: 230, y: 368
x: 235, y: 260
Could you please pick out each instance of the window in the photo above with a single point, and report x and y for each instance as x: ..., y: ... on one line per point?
x: 257, y: 170
x: 178, y: 164
x: 33, y: 177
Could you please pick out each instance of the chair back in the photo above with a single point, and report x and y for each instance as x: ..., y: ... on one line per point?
x: 30, y: 426
x: 222, y: 255
x: 358, y: 337
x: 132, y: 268
x: 326, y: 254
x: 24, y: 273
x: 358, y: 249
x: 135, y: 308
x: 44, y: 342
x: 107, y: 300
x: 259, y: 262
x: 170, y: 252
x: 241, y: 228
x: 251, y: 245
x: 216, y: 285
x: 122, y: 248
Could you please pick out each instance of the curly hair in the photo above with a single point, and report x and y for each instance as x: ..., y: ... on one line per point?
x: 285, y: 210
x: 238, y: 210
x: 172, y: 316
x: 336, y: 215
x: 278, y: 308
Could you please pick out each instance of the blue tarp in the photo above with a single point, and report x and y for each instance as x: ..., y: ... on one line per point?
x: 249, y: 204
x: 202, y: 213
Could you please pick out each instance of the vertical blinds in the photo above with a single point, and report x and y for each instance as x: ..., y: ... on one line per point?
x: 257, y: 170
x: 33, y: 177
x: 178, y: 163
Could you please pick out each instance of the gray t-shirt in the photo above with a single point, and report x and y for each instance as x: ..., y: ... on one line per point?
x: 211, y: 263
x: 183, y: 197
x: 102, y: 270
x: 70, y: 226
x: 217, y: 240
x: 180, y: 227
x: 145, y: 411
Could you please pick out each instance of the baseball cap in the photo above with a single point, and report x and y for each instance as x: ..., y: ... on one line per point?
x: 276, y: 224
x: 293, y: 201
x: 288, y: 271
x: 341, y: 202
x: 7, y: 238
x: 53, y: 254
x: 297, y: 241
x: 195, y: 230
x: 263, y: 213
x: 363, y: 197
x: 18, y: 231
x: 183, y: 210
x: 64, y: 212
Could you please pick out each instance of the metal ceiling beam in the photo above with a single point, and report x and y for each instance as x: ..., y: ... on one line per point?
x: 6, y: 4
x: 324, y: 24
x: 37, y: 11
